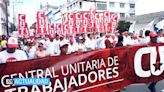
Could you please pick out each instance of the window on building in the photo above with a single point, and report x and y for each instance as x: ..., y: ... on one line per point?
x: 111, y: 4
x: 122, y: 5
x: 70, y: 7
x: 74, y: 5
x: 132, y: 5
x: 122, y: 14
x: 101, y: 6
x: 132, y: 14
x: 80, y: 3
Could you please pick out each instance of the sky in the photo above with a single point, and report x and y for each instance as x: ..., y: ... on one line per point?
x: 149, y: 6
x: 30, y: 7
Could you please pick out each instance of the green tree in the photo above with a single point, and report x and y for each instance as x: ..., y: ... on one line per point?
x: 123, y: 26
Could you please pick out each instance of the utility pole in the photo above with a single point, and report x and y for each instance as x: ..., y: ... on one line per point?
x: 7, y: 21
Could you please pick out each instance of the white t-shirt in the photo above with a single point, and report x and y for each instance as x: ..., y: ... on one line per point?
x: 51, y: 48
x: 90, y: 44
x: 57, y: 47
x: 31, y: 52
x: 18, y: 55
x: 126, y: 40
x: 72, y: 48
x: 81, y: 47
x: 100, y: 42
x: 145, y: 40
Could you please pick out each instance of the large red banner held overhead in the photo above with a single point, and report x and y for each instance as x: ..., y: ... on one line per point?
x: 41, y: 23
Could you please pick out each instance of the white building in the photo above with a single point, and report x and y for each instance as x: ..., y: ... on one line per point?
x: 125, y: 8
x: 3, y: 16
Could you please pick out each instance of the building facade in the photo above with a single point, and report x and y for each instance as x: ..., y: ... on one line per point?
x: 124, y: 8
x: 3, y: 13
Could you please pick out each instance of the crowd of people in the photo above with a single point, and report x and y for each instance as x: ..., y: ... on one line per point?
x: 38, y: 47
x: 16, y: 49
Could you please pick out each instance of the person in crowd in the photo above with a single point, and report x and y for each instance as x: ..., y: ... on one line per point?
x: 31, y: 50
x: 90, y: 42
x: 134, y: 40
x: 64, y: 48
x: 146, y: 39
x: 126, y: 39
x: 120, y: 41
x: 100, y: 41
x: 153, y: 40
x: 107, y: 42
x: 161, y: 36
x: 12, y: 54
x: 80, y: 45
x: 113, y: 39
x: 72, y: 47
x: 50, y: 46
x: 56, y: 42
x: 41, y: 52
x: 3, y: 42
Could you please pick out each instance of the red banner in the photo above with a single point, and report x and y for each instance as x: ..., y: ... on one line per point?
x: 92, y: 18
x: 58, y: 28
x: 71, y: 23
x: 85, y: 23
x: 106, y: 20
x: 51, y: 28
x: 97, y: 22
x: 78, y: 21
x: 41, y: 23
x: 21, y: 25
x: 113, y: 23
x: 104, y: 70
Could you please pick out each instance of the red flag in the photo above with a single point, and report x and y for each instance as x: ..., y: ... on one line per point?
x: 65, y: 28
x: 51, y: 30
x: 106, y: 19
x: 114, y: 21
x: 85, y: 18
x: 41, y: 23
x: 71, y: 23
x: 26, y: 32
x: 102, y: 24
x: 21, y: 24
x: 78, y: 22
x: 58, y: 28
x: 97, y: 22
x: 92, y: 18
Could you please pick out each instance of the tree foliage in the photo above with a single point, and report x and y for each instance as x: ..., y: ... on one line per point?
x: 123, y: 26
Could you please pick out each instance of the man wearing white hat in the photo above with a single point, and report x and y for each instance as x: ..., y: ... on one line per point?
x: 64, y: 47
x: 12, y: 54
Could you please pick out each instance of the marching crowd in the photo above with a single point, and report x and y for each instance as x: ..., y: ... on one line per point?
x: 38, y: 47
x: 16, y: 49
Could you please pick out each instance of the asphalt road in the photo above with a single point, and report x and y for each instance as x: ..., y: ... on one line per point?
x: 144, y: 87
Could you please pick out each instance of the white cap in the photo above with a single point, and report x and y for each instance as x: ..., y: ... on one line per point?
x: 63, y: 43
x: 12, y: 42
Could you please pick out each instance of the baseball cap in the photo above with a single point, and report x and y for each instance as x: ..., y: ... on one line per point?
x: 12, y: 42
x: 152, y: 34
x: 63, y: 43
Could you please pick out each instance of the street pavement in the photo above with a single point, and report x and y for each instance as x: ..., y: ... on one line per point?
x: 143, y: 87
